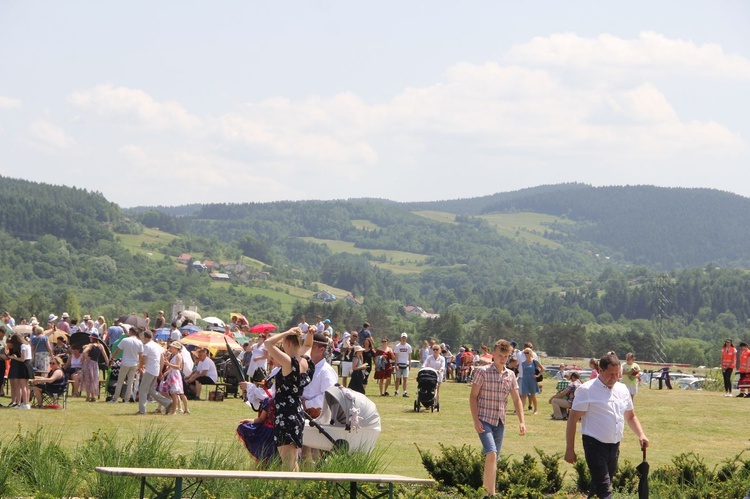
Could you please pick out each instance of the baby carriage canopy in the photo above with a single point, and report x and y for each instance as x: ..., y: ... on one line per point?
x: 427, y: 376
x: 339, y: 401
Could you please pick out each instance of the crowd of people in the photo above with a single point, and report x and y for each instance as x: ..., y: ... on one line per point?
x: 142, y: 369
x: 289, y: 374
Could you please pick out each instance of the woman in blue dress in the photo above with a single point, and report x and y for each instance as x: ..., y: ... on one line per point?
x: 529, y: 386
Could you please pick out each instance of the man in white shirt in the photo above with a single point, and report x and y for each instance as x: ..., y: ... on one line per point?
x: 303, y: 325
x: 319, y: 325
x: 131, y: 348
x: 205, y: 372
x: 174, y: 333
x: 258, y: 358
x: 150, y: 364
x: 324, y: 377
x: 604, y: 406
x: 187, y: 363
x: 403, y: 357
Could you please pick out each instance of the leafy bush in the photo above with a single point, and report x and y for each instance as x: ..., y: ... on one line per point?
x: 455, y: 466
x: 461, y: 468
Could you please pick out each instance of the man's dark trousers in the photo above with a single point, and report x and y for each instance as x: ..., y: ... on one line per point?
x: 601, y: 459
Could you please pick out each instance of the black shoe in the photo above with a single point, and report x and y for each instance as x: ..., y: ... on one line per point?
x: 386, y: 394
x: 529, y: 407
x: 741, y: 395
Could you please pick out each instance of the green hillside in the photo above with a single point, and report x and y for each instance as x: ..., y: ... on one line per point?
x: 544, y: 264
x: 527, y: 227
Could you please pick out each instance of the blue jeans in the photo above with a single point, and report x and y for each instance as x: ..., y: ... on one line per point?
x: 492, y: 438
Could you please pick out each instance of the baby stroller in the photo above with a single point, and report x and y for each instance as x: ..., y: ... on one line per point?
x: 231, y: 378
x: 348, y: 421
x: 427, y: 382
x: 114, y: 373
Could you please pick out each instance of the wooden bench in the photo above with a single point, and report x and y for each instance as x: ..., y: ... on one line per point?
x: 197, y: 477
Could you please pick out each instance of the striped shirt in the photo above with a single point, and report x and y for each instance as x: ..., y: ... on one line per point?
x: 494, y: 388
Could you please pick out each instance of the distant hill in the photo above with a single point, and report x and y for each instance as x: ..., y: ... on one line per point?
x: 661, y: 227
x: 30, y: 210
x: 557, y: 256
x: 479, y: 205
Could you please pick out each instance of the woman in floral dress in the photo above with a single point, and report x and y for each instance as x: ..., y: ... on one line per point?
x: 295, y: 373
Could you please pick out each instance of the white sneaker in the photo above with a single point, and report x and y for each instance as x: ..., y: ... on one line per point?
x: 113, y: 401
x: 24, y: 406
x: 729, y: 395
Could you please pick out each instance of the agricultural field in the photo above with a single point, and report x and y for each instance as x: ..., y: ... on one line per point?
x: 522, y: 226
x: 365, y: 224
x: 134, y: 242
x: 399, y: 262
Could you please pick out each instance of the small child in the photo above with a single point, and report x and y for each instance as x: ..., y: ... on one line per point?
x: 257, y: 434
x: 488, y: 401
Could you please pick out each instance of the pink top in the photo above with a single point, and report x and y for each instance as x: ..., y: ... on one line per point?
x: 495, y: 387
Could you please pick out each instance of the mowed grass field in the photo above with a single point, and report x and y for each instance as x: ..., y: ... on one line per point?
x: 133, y: 242
x: 399, y: 262
x: 676, y: 421
x: 517, y: 226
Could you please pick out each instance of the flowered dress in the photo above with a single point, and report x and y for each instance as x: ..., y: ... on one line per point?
x: 173, y: 378
x: 90, y: 370
x: 288, y: 423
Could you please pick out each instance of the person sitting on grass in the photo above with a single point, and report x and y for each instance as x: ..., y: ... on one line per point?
x: 48, y: 384
x: 257, y: 433
x: 563, y: 399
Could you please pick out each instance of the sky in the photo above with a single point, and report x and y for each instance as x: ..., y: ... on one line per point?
x: 180, y: 102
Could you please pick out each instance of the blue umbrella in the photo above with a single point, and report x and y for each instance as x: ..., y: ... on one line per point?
x: 162, y: 334
x: 190, y: 328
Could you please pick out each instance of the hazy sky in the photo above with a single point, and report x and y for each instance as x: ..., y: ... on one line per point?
x: 183, y: 102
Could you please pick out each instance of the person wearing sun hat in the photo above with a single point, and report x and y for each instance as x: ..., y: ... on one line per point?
x: 64, y: 325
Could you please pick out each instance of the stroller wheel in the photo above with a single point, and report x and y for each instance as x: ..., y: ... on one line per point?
x: 432, y: 408
x: 416, y: 406
x: 341, y: 445
x: 437, y: 407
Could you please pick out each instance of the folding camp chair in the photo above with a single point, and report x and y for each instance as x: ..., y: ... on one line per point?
x: 55, y: 394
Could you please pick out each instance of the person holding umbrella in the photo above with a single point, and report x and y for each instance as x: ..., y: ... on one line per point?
x: 604, y: 406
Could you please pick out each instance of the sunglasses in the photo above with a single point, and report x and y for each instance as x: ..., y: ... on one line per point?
x: 435, y: 349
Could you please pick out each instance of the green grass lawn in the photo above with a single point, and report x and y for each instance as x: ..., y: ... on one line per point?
x: 676, y: 421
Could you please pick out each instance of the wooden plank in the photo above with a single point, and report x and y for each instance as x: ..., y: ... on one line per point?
x: 265, y: 475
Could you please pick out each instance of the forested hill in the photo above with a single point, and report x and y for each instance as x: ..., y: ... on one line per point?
x: 30, y: 210
x: 656, y: 226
